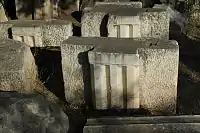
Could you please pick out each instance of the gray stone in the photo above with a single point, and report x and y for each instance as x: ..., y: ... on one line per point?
x: 4, y: 30
x: 151, y: 67
x: 30, y: 113
x: 73, y: 52
x: 160, y: 124
x: 17, y: 66
x: 92, y: 19
x: 158, y: 76
x: 39, y: 33
x: 140, y: 22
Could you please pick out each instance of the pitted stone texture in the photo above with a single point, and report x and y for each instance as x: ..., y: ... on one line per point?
x: 73, y: 52
x: 158, y: 77
x: 30, y: 113
x: 17, y: 66
x: 155, y: 24
x: 4, y: 30
x: 55, y: 32
x: 139, y: 23
x: 158, y: 68
x: 38, y: 33
x: 92, y: 19
x: 91, y: 23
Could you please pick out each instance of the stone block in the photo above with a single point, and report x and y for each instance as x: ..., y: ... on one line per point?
x: 116, y: 74
x: 125, y: 73
x: 158, y: 76
x: 74, y: 56
x: 31, y: 113
x: 18, y: 70
x: 140, y: 22
x: 4, y: 30
x: 93, y: 19
x: 38, y: 33
x: 159, y: 124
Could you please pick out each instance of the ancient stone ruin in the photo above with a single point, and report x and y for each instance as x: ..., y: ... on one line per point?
x: 123, y: 62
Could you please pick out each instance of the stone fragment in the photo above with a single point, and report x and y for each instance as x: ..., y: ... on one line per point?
x: 31, y: 113
x: 18, y: 71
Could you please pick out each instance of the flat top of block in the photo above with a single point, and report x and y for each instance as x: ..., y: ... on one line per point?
x: 119, y: 3
x: 120, y: 45
x: 27, y: 23
x: 143, y: 120
x: 105, y: 8
x: 114, y: 45
x: 134, y: 11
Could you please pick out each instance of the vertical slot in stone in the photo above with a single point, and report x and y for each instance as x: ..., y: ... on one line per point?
x: 108, y: 85
x: 124, y: 82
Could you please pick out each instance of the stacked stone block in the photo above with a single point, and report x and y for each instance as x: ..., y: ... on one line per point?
x: 125, y: 73
x: 38, y: 33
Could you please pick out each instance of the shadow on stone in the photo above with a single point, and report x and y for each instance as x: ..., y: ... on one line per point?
x: 84, y: 62
x: 103, y: 26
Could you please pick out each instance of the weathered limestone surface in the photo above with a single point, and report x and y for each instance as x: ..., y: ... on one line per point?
x: 30, y: 113
x: 4, y: 30
x: 36, y: 33
x: 158, y: 77
x: 140, y: 22
x: 116, y: 74
x: 115, y: 67
x: 92, y: 20
x: 17, y: 66
x: 73, y: 52
x: 160, y: 124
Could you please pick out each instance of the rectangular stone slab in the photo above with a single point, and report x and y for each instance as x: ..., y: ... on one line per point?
x: 140, y: 22
x: 74, y: 56
x: 92, y: 19
x: 39, y: 33
x: 159, y: 124
x: 156, y: 70
x: 116, y: 73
